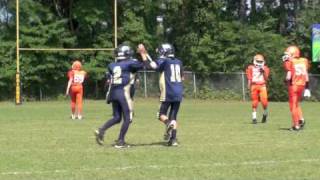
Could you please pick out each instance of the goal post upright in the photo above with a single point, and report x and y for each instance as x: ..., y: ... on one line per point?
x: 18, y: 87
x: 115, y: 23
x: 18, y: 48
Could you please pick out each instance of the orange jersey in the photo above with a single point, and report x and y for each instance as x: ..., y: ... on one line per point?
x: 286, y: 65
x: 299, y: 71
x: 77, y: 77
x: 255, y: 75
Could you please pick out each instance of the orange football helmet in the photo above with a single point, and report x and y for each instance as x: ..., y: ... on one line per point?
x: 293, y: 51
x: 258, y: 60
x: 76, y: 65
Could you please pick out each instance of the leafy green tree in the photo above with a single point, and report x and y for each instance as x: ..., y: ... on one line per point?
x: 209, y: 36
x: 7, y: 49
x: 40, y: 28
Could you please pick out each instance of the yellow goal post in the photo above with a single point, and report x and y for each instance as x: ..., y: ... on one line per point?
x: 18, y: 48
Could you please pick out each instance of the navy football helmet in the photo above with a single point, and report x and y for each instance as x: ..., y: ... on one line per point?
x: 123, y: 52
x: 166, y: 50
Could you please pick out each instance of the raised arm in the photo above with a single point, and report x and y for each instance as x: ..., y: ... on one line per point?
x: 145, y: 56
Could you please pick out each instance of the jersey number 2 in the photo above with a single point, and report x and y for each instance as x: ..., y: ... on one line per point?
x: 175, y: 73
x: 117, y: 75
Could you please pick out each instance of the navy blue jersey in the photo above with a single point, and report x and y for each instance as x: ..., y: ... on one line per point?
x: 170, y: 82
x: 122, y: 73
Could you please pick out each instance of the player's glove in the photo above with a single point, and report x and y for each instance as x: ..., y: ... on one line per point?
x: 307, y: 93
x: 285, y: 57
x: 141, y: 48
x: 261, y: 70
x: 142, y: 51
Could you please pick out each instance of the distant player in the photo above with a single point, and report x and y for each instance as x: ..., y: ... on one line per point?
x: 134, y: 82
x: 297, y: 81
x: 171, y: 87
x: 76, y: 78
x: 257, y: 75
x: 121, y: 75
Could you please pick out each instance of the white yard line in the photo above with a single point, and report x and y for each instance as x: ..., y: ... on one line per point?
x: 124, y: 168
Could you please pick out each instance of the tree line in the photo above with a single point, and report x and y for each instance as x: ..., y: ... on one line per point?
x: 209, y: 36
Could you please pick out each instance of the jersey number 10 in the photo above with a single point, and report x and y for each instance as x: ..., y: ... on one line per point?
x: 175, y: 73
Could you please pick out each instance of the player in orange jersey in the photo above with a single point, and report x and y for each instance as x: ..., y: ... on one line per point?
x: 297, y: 80
x: 75, y: 89
x: 257, y: 75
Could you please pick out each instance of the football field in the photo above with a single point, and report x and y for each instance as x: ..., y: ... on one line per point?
x: 38, y: 140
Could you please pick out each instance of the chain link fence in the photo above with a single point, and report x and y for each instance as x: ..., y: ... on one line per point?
x: 214, y: 86
x: 218, y: 85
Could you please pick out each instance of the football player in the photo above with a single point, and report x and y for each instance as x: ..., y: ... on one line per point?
x: 121, y: 75
x: 257, y: 75
x: 134, y: 82
x: 76, y: 78
x: 297, y: 81
x: 171, y: 87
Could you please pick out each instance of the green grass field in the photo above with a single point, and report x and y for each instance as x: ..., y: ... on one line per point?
x: 217, y: 141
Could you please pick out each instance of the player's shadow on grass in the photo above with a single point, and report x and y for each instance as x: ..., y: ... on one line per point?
x: 150, y: 144
x: 284, y: 129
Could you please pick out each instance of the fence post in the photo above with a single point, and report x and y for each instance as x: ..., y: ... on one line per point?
x: 243, y: 88
x: 96, y: 89
x: 145, y: 83
x: 194, y: 85
x: 40, y: 93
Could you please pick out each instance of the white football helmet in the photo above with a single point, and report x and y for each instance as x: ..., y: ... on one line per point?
x: 258, y: 60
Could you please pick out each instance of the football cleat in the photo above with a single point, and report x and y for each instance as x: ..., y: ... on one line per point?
x: 254, y: 121
x: 168, y: 132
x: 99, y: 137
x: 79, y: 117
x: 264, y: 119
x: 302, y: 123
x: 121, y: 144
x: 294, y: 128
x: 173, y: 142
x: 73, y: 117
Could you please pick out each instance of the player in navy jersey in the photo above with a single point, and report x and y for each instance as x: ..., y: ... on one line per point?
x: 121, y: 75
x: 171, y: 87
x: 134, y: 81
